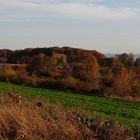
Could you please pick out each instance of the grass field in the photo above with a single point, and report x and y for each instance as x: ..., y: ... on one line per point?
x: 125, y: 112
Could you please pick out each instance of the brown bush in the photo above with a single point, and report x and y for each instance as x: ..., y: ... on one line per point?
x: 87, y: 87
x: 68, y: 83
x: 6, y: 73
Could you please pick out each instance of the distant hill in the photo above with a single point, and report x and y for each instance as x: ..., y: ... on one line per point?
x: 137, y: 56
x: 113, y: 55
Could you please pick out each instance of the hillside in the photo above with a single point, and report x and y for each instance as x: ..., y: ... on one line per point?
x: 49, y: 114
x: 125, y: 112
x: 38, y: 121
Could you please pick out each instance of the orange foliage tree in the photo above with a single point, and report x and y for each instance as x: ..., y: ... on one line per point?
x: 88, y: 69
x: 91, y: 68
x: 125, y: 83
x: 43, y: 65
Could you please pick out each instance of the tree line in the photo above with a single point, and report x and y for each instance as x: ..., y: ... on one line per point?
x: 84, y: 71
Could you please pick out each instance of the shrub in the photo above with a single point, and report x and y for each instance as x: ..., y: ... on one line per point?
x: 47, y: 83
x: 6, y: 73
x: 87, y: 87
x: 68, y: 83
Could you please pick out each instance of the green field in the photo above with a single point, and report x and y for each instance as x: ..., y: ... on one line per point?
x: 125, y: 112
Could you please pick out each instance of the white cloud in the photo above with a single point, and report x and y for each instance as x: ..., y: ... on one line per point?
x: 18, y: 9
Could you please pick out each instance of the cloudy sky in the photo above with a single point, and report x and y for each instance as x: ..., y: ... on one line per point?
x: 109, y: 26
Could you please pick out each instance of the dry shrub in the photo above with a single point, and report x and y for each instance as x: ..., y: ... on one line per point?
x: 29, y: 121
x: 36, y: 119
x: 110, y: 130
x: 105, y: 129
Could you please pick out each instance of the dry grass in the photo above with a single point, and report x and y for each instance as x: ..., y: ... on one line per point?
x: 35, y: 120
x: 29, y: 121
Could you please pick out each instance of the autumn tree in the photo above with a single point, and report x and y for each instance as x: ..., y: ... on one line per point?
x: 124, y: 83
x: 91, y: 68
x: 117, y: 66
x: 43, y: 65
x: 126, y: 59
x: 4, y: 54
x: 87, y: 70
x: 61, y: 59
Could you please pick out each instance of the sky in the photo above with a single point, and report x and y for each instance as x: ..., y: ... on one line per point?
x: 108, y: 26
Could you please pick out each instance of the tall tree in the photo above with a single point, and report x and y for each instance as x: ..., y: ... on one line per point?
x: 125, y: 82
x: 91, y: 68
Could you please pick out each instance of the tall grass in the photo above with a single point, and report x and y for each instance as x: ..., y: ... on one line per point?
x: 32, y: 122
